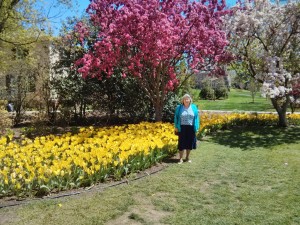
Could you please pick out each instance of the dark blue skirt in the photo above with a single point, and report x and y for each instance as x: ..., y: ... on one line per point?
x: 187, y: 138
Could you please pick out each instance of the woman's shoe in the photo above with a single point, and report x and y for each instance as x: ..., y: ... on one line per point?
x: 180, y: 161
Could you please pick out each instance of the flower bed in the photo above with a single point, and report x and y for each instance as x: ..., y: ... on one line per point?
x: 53, y: 163
x: 211, y: 122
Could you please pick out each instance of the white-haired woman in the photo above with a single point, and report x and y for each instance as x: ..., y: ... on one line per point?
x: 187, y: 124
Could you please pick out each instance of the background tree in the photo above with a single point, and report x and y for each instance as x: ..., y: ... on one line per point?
x: 23, y: 27
x: 243, y: 78
x: 70, y: 92
x: 186, y: 80
x: 207, y: 91
x: 266, y: 37
x: 19, y: 87
x: 241, y: 75
x: 221, y: 90
x: 29, y: 14
x: 28, y: 73
x: 253, y: 88
x: 23, y: 22
x: 147, y: 40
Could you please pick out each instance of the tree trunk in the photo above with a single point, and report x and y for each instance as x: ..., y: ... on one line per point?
x: 17, y: 118
x: 281, y: 110
x: 282, y: 119
x: 158, y: 108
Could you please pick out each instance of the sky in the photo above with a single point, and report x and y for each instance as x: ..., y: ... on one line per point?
x: 58, y: 15
x: 79, y: 6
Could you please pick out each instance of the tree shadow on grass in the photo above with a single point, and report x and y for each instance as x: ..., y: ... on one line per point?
x: 248, y: 138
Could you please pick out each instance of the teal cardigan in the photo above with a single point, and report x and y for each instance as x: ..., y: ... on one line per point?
x: 177, y: 115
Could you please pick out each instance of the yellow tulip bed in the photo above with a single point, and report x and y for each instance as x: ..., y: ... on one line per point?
x: 52, y: 163
x: 211, y: 122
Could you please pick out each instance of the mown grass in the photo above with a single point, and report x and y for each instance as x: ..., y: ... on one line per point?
x: 241, y: 176
x: 238, y: 100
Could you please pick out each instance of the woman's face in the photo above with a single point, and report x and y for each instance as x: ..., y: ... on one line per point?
x: 186, y: 101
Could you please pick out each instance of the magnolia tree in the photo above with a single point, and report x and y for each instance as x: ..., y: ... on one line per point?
x: 148, y: 39
x: 266, y: 36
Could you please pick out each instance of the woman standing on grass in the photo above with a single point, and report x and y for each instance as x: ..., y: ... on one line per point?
x: 186, y: 122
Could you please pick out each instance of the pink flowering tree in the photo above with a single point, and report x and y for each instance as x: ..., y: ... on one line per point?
x: 266, y: 37
x: 148, y: 39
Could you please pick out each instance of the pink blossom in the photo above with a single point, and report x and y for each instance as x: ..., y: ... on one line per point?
x: 143, y: 37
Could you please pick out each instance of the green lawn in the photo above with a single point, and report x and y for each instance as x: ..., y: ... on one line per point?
x: 238, y: 100
x: 242, y: 176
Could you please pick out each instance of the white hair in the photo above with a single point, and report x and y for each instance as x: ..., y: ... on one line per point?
x: 186, y: 96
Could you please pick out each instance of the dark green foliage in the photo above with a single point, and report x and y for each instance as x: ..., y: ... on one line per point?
x: 207, y: 93
x: 122, y: 97
x: 221, y: 92
x: 212, y: 90
x: 169, y: 107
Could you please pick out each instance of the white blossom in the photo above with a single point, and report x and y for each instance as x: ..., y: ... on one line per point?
x: 261, y: 32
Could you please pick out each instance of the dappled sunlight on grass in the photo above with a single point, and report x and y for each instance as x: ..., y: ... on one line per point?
x: 248, y: 138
